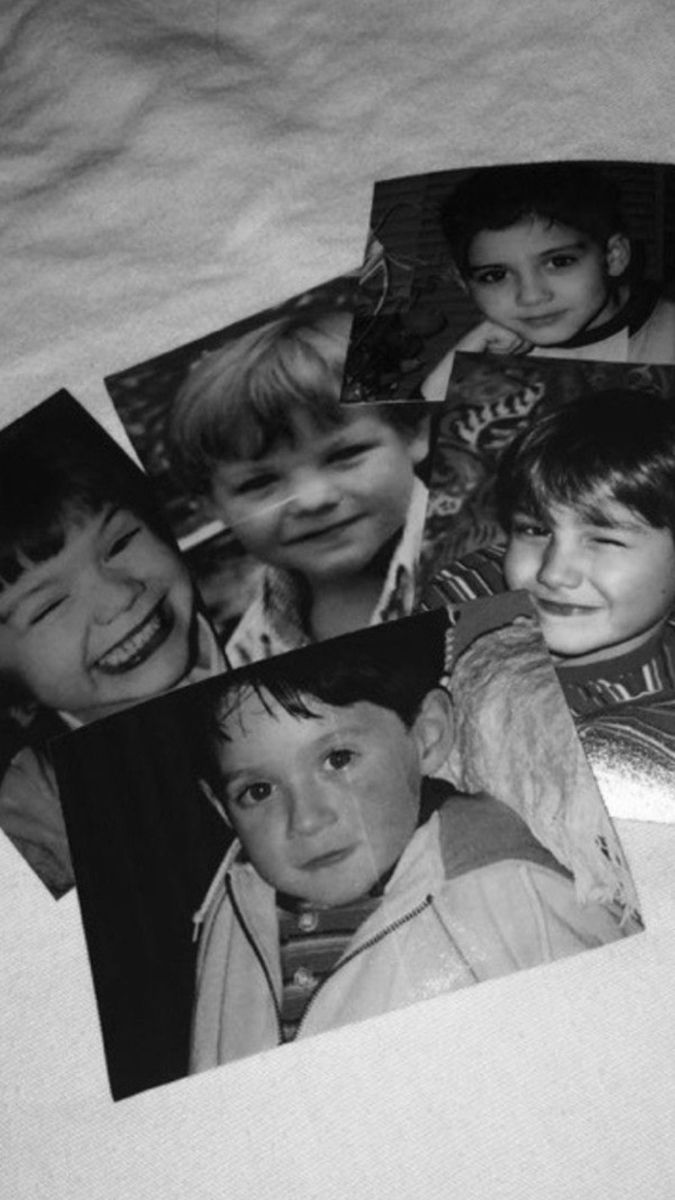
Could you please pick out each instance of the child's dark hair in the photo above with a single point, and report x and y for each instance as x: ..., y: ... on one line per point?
x: 393, y: 666
x: 617, y: 444
x: 574, y: 194
x: 56, y: 465
x: 242, y: 399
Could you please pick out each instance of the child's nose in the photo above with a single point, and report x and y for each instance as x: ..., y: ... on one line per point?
x: 115, y: 594
x: 313, y: 491
x: 309, y: 810
x: 560, y: 566
x: 533, y: 287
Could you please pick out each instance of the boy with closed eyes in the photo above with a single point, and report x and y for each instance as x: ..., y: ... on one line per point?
x: 542, y: 251
x: 97, y: 610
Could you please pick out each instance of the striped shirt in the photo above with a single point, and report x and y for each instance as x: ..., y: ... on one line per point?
x: 648, y: 671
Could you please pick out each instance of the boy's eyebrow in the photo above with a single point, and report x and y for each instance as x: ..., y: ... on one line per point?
x: 553, y: 249
x: 605, y: 521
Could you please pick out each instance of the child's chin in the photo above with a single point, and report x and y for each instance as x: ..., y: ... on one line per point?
x: 576, y: 653
x: 334, y: 897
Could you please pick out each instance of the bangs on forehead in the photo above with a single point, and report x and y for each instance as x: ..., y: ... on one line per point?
x: 40, y: 537
x: 277, y: 692
x: 593, y: 503
x: 254, y: 430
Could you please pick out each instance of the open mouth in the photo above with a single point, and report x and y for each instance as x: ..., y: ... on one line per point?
x: 139, y: 645
x: 328, y: 860
x: 324, y: 533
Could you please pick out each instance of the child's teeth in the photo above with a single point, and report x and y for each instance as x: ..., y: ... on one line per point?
x: 132, y: 645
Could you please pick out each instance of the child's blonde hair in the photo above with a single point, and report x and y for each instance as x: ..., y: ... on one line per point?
x: 239, y: 400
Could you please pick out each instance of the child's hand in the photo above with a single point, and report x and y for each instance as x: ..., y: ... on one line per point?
x: 493, y: 339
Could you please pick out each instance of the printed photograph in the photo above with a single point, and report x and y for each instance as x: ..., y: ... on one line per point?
x: 299, y: 520
x: 550, y: 258
x: 408, y: 812
x: 97, y: 610
x: 559, y: 478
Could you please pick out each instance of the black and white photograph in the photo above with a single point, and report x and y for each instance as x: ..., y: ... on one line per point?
x: 97, y: 610
x: 300, y: 520
x: 558, y: 477
x: 548, y: 258
x: 384, y: 847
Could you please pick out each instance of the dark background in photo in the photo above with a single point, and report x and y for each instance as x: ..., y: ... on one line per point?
x: 145, y: 853
x: 413, y: 310
x: 490, y: 399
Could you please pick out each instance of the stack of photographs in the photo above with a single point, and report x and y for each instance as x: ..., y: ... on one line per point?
x: 328, y: 708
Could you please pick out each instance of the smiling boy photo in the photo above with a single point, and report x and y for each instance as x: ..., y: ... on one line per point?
x: 543, y: 252
x: 586, y: 495
x: 324, y: 505
x: 550, y: 258
x: 97, y: 610
x: 327, y: 499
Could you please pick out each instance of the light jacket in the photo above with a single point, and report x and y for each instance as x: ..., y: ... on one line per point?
x: 474, y: 896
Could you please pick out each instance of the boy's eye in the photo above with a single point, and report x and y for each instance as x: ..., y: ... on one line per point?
x: 560, y: 261
x: 254, y: 794
x: 607, y: 540
x: 490, y: 275
x: 40, y: 615
x: 345, y: 453
x: 120, y: 543
x: 337, y: 760
x: 529, y: 528
x: 256, y: 483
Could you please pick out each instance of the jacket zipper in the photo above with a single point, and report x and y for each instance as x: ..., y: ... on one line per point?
x: 372, y: 941
x: 263, y: 965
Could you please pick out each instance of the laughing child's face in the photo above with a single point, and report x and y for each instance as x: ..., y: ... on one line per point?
x: 602, y: 583
x: 106, y: 621
x: 543, y: 281
x: 326, y: 502
x: 325, y: 805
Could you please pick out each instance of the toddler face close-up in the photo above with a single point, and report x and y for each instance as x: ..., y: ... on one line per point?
x: 324, y: 804
x: 602, y: 586
x: 325, y: 503
x: 106, y: 621
x: 543, y: 281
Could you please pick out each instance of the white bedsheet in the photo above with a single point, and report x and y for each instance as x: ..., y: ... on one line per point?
x: 168, y: 167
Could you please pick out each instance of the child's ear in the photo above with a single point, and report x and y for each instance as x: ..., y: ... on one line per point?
x: 433, y: 730
x: 617, y: 254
